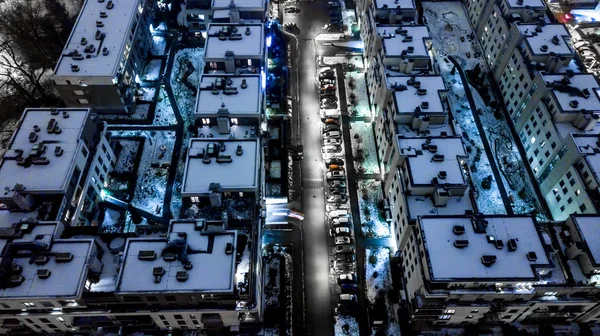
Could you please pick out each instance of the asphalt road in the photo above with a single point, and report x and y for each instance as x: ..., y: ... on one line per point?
x: 319, y: 311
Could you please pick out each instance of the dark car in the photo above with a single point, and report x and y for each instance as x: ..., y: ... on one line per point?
x: 329, y: 106
x: 337, y: 199
x: 327, y: 94
x: 333, y: 4
x: 345, y: 309
x: 344, y: 257
x: 327, y: 75
x: 333, y: 99
x: 292, y: 9
x: 328, y: 128
x: 335, y: 161
x: 333, y: 28
x: 344, y: 249
x: 338, y: 191
x: 337, y: 184
x: 335, y: 18
x: 348, y: 289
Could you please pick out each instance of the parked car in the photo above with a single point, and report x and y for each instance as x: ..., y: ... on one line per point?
x: 340, y: 220
x: 329, y: 128
x: 327, y: 94
x: 337, y: 199
x: 290, y: 26
x: 343, y: 267
x: 327, y: 81
x: 332, y: 142
x: 336, y: 175
x: 337, y: 206
x: 348, y: 298
x: 291, y: 10
x: 347, y: 257
x: 331, y: 121
x: 344, y: 249
x: 329, y: 113
x: 338, y: 184
x: 327, y: 75
x: 339, y: 213
x: 329, y: 105
x: 341, y: 240
x: 333, y: 4
x: 340, y: 231
x: 333, y: 28
x: 348, y: 278
x: 345, y: 310
x: 332, y: 135
x: 336, y: 167
x: 334, y: 161
x: 348, y: 288
x: 328, y: 87
x: 335, y: 19
x: 329, y: 99
x: 331, y: 149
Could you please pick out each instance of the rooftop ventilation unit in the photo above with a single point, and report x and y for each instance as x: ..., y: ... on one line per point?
x: 544, y: 48
x: 512, y: 245
x: 16, y: 269
x: 169, y: 257
x: 99, y: 34
x: 248, y: 31
x: 40, y: 259
x: 75, y: 68
x: 585, y: 93
x: 488, y: 260
x: 442, y: 175
x: 421, y: 92
x: 531, y: 256
x: 83, y: 41
x: 574, y: 103
x: 224, y: 159
x: 33, y: 137
x: 188, y: 265
x: 182, y: 276
x: 105, y: 51
x: 16, y: 280
x: 424, y: 105
x: 103, y: 15
x: 158, y: 273
x: 538, y: 29
x: 110, y: 5
x: 58, y: 151
x: 520, y: 2
x: 229, y: 248
x: 99, y: 24
x: 147, y: 255
x: 244, y: 84
x: 458, y: 229
x: 461, y: 243
x: 499, y: 244
x: 239, y: 151
x: 417, y: 84
x: 63, y: 257
x: 438, y: 158
x: 43, y: 273
x: 407, y: 39
x: 555, y: 40
x: 410, y: 50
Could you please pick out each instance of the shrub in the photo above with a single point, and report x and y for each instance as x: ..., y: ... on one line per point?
x: 522, y: 193
x: 372, y: 259
x: 375, y: 275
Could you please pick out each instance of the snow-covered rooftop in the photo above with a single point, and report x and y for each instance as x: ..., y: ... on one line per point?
x: 394, y: 43
x: 588, y: 228
x: 546, y: 39
x: 212, y: 270
x: 587, y: 146
x: 393, y: 4
x: 407, y: 98
x: 245, y: 102
x: 424, y: 206
x: 526, y: 3
x: 241, y: 174
x: 238, y: 3
x: 424, y: 164
x: 66, y: 278
x: 447, y: 262
x: 34, y: 178
x: 578, y: 85
x: 243, y: 45
x: 116, y: 27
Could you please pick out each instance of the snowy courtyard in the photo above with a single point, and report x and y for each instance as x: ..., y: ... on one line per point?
x: 356, y: 95
x: 163, y: 113
x: 188, y: 66
x: 370, y: 203
x: 346, y: 325
x: 364, y: 151
x: 378, y: 282
x: 152, y: 70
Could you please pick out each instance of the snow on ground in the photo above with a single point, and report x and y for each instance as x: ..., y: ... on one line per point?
x: 158, y: 45
x: 356, y: 95
x: 126, y: 159
x: 146, y: 94
x: 163, y: 113
x: 272, y: 281
x: 270, y: 332
x: 244, y: 266
x: 381, y: 256
x: 449, y: 20
x: 330, y: 37
x: 364, y: 148
x: 275, y: 169
x: 272, y: 288
x: 372, y: 220
x: 111, y: 218
x: 273, y: 133
x: 184, y: 96
x: 152, y: 70
x: 346, y: 325
x: 341, y: 59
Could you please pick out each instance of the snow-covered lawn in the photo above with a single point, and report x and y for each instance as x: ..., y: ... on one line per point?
x: 370, y: 199
x: 364, y: 151
x: 163, y: 113
x: 346, y: 325
x: 126, y: 159
x: 184, y: 96
x: 158, y: 45
x: 274, y: 281
x: 152, y: 70
x: 275, y: 169
x: 146, y: 94
x: 381, y: 265
x: 356, y: 94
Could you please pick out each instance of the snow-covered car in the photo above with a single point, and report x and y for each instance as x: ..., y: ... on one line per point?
x: 326, y: 81
x: 332, y: 135
x: 337, y: 198
x: 330, y: 149
x: 332, y: 142
x: 330, y: 113
x: 349, y: 278
x: 343, y: 266
x: 340, y: 231
x: 325, y: 69
x: 341, y: 240
x: 348, y: 298
x: 334, y: 161
x: 337, y: 184
x: 329, y: 100
x: 329, y: 105
x: 291, y: 10
x: 327, y: 75
x: 344, y: 249
x: 336, y: 175
x: 347, y: 257
x: 339, y: 213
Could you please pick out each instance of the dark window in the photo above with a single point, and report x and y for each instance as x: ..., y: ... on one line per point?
x: 151, y: 298
x: 582, y: 208
x: 170, y: 298
x: 84, y: 151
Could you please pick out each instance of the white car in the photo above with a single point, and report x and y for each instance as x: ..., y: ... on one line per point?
x: 336, y: 175
x: 348, y: 297
x: 340, y: 231
x: 332, y: 142
x: 332, y: 135
x: 342, y: 240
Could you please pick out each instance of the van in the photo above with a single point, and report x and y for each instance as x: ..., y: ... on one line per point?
x: 338, y: 213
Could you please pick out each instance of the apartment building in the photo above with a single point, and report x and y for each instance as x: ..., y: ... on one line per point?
x: 70, y: 146
x: 386, y: 11
x: 491, y: 18
x: 105, y: 55
x: 229, y: 101
x: 237, y: 49
x: 204, y: 274
x: 200, y: 13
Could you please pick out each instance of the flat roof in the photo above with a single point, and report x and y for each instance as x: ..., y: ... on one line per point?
x: 213, y: 269
x: 588, y: 227
x: 565, y: 93
x: 393, y: 41
x: 447, y: 262
x: 422, y: 167
x: 239, y: 174
x: 526, y: 3
x: 393, y: 4
x: 407, y: 99
x: 247, y: 46
x: 246, y: 101
x: 238, y: 3
x: 66, y: 278
x: 424, y: 206
x: 116, y: 28
x: 538, y: 36
x: 35, y: 177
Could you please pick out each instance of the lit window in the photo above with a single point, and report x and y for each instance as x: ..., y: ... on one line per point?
x: 577, y: 192
x: 543, y: 143
x: 475, y: 311
x: 205, y: 121
x: 450, y: 311
x: 78, y: 92
x: 28, y: 304
x: 83, y: 101
x: 195, y: 199
x: 469, y: 317
x: 535, y: 170
x: 249, y: 62
x: 445, y: 317
x: 60, y: 319
x: 550, y: 293
x: 485, y: 29
x: 234, y: 121
x: 532, y: 140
